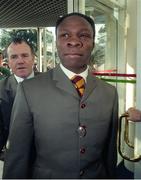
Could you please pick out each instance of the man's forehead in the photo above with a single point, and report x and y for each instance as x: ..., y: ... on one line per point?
x: 18, y: 47
x: 12, y: 45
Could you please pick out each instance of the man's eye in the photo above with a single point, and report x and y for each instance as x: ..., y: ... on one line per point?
x: 14, y: 57
x: 65, y: 35
x: 85, y: 35
x: 25, y: 55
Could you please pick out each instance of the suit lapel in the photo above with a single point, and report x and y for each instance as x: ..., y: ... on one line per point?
x: 63, y: 82
x: 90, y: 86
x: 11, y: 86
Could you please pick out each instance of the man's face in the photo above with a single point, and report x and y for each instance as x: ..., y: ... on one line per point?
x: 21, y: 59
x: 75, y: 43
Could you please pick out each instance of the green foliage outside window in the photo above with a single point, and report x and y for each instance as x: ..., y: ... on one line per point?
x: 29, y: 34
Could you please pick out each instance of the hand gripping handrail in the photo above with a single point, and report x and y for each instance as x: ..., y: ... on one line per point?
x: 126, y: 139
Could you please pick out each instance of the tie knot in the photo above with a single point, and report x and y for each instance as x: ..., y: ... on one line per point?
x: 79, y: 83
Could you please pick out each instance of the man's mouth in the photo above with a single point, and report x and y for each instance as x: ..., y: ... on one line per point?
x: 73, y: 55
x: 21, y: 68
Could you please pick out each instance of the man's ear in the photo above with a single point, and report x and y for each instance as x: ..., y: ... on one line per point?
x: 9, y: 64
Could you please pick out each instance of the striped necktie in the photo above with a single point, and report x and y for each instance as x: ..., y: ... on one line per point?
x: 79, y: 84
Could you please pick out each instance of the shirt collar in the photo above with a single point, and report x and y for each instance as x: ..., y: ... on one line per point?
x: 70, y: 74
x: 19, y: 79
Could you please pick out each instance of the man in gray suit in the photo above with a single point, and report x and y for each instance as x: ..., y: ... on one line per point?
x: 21, y: 59
x: 55, y: 132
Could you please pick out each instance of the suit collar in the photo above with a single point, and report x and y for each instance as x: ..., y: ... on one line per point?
x: 19, y: 79
x: 64, y: 83
x: 11, y: 82
x: 11, y: 85
x: 71, y: 74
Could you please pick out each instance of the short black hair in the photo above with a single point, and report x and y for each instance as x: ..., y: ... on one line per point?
x: 87, y: 18
x: 19, y: 40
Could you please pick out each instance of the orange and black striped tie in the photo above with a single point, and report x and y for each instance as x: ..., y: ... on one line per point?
x: 79, y: 84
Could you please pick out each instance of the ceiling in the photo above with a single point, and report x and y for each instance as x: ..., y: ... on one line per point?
x: 31, y: 13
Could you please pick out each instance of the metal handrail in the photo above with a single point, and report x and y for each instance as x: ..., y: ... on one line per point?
x: 126, y: 139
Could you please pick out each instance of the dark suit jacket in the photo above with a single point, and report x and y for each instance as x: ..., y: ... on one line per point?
x: 8, y: 88
x: 47, y: 113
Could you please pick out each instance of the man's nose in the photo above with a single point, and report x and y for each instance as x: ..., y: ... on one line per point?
x: 74, y: 42
x: 20, y: 59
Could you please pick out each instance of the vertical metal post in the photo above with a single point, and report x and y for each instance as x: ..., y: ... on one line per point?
x: 137, y: 170
x: 40, y: 48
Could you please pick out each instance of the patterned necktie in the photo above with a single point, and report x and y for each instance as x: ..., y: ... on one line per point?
x: 79, y: 84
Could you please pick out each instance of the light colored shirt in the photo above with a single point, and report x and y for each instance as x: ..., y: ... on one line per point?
x: 70, y: 74
x: 19, y: 79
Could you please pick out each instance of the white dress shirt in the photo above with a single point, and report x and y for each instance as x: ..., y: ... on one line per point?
x: 70, y: 74
x: 19, y: 79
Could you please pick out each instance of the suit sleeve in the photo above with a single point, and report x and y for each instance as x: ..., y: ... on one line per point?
x: 111, y: 146
x: 2, y: 137
x: 20, y: 142
x: 4, y: 114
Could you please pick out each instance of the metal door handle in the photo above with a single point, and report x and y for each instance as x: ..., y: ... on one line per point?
x: 126, y: 139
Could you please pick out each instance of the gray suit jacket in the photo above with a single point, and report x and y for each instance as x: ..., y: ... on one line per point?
x: 45, y: 139
x: 8, y: 87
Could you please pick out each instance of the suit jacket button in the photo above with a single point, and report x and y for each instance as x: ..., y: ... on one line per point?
x: 81, y: 172
x: 82, y: 130
x: 83, y: 106
x: 82, y: 150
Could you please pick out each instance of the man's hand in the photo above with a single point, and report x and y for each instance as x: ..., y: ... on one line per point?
x: 134, y: 114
